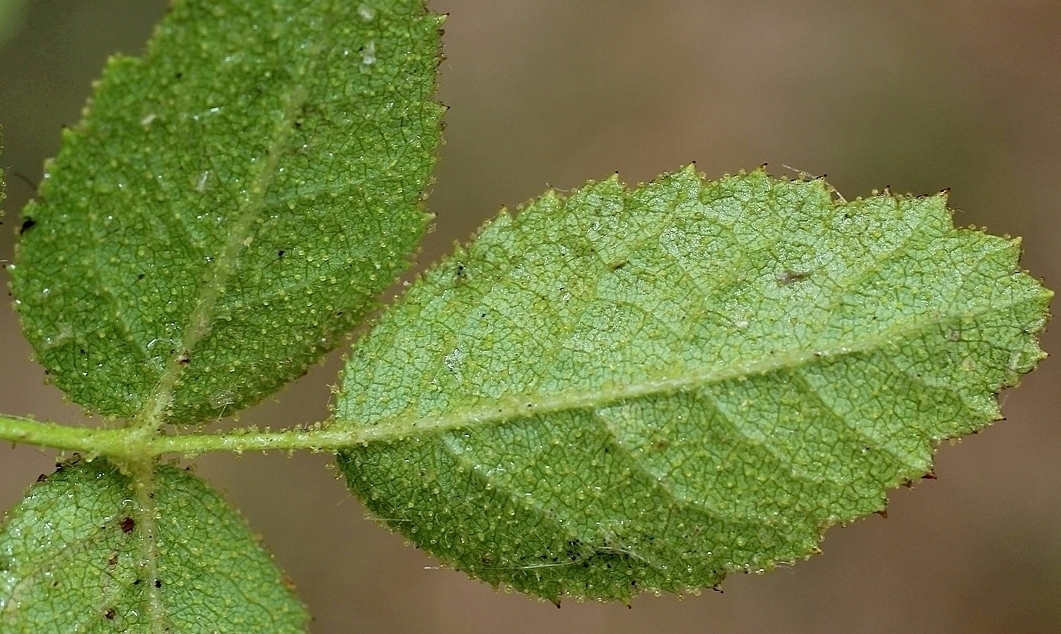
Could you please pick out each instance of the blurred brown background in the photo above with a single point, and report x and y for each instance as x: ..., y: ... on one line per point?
x: 915, y: 95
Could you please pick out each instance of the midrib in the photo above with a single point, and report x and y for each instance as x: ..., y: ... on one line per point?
x: 202, y: 316
x: 519, y: 406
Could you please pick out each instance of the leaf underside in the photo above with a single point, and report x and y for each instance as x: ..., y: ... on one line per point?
x: 620, y: 391
x: 76, y: 556
x: 231, y: 204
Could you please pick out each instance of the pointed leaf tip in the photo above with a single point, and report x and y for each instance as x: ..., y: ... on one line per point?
x: 643, y: 390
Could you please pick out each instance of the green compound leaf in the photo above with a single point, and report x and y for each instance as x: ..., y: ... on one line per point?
x: 231, y: 203
x: 619, y: 391
x: 78, y: 555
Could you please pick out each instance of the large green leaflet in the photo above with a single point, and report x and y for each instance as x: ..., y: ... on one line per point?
x: 620, y: 391
x: 78, y: 555
x: 231, y: 203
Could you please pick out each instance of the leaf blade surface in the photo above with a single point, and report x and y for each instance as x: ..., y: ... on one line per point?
x: 75, y: 556
x: 231, y: 203
x: 647, y: 389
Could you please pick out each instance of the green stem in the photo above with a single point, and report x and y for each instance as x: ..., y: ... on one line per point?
x: 56, y: 436
x: 133, y: 444
x: 322, y: 439
x: 137, y: 443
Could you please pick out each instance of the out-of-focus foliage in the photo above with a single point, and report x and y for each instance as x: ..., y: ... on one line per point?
x: 12, y: 14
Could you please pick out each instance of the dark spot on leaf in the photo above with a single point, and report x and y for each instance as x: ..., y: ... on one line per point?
x: 574, y: 549
x: 113, y: 561
x: 27, y: 224
x: 140, y: 276
x: 128, y: 524
x: 931, y: 475
x: 74, y: 460
x: 110, y: 613
x: 184, y: 359
x: 158, y: 583
x: 280, y: 253
x: 179, y: 75
x: 42, y: 478
x: 790, y: 277
x: 288, y: 583
x: 137, y: 582
x: 615, y: 266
